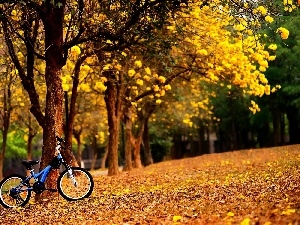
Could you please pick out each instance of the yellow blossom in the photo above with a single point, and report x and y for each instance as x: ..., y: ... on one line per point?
x: 146, y: 78
x: 158, y: 101
x: 131, y: 72
x: 284, y: 33
x: 138, y: 64
x: 100, y: 86
x: 139, y: 82
x: 272, y: 57
x: 202, y: 52
x: 262, y: 69
x: 162, y: 79
x: 155, y: 88
x: 107, y: 67
x: 269, y: 19
x: 148, y: 71
x: 118, y: 67
x: 261, y: 10
x: 75, y: 50
x: 168, y: 87
x: 263, y: 63
x: 272, y: 47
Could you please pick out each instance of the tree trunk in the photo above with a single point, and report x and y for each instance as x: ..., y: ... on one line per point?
x: 1, y: 165
x: 71, y: 112
x: 137, y: 162
x: 79, y: 150
x: 128, y: 146
x: 113, y: 102
x: 6, y: 122
x: 104, y: 158
x: 94, y: 152
x: 201, y: 136
x: 282, y: 129
x: 52, y: 18
x: 146, y: 143
x: 293, y: 121
x: 2, y: 155
x: 136, y: 145
x: 31, y: 135
x: 276, y: 126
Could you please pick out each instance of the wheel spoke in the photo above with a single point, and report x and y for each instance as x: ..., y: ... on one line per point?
x: 75, y: 187
x: 13, y: 193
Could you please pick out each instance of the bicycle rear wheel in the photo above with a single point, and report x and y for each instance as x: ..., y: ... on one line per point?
x: 13, y: 193
x: 74, y: 188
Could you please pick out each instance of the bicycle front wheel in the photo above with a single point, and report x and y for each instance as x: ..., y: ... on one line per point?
x: 75, y: 186
x: 13, y: 193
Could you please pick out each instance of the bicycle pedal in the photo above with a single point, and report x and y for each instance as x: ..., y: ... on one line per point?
x: 51, y: 190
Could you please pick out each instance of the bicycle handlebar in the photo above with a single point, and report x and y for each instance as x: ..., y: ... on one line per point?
x: 60, y: 139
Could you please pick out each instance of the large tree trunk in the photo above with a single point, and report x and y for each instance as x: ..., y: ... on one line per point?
x: 53, y: 125
x: 113, y: 102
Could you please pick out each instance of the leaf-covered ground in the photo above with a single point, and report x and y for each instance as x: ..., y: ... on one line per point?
x: 243, y: 187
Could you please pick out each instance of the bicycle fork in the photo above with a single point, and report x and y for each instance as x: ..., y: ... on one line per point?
x: 71, y: 174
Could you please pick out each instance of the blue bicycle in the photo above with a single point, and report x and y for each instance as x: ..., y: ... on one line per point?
x: 74, y: 183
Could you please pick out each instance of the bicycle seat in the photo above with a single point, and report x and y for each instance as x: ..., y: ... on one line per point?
x: 29, y: 163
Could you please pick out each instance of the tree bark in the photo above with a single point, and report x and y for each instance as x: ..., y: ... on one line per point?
x: 79, y: 149
x: 146, y: 143
x: 143, y: 121
x: 52, y: 18
x: 70, y: 158
x: 31, y: 135
x: 276, y: 126
x: 128, y: 146
x: 94, y: 152
x: 6, y: 122
x: 137, y: 162
x: 103, y: 161
x: 113, y: 102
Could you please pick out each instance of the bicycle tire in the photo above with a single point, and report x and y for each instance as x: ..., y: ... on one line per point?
x: 7, y: 200
x: 69, y: 191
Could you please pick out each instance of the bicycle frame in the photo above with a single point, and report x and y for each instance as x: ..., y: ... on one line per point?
x: 43, y: 174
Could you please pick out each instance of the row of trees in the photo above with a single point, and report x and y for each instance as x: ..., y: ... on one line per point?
x: 127, y: 58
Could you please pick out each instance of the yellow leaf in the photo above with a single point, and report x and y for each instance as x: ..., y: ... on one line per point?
x: 231, y: 214
x: 246, y: 221
x: 288, y: 212
x: 177, y: 219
